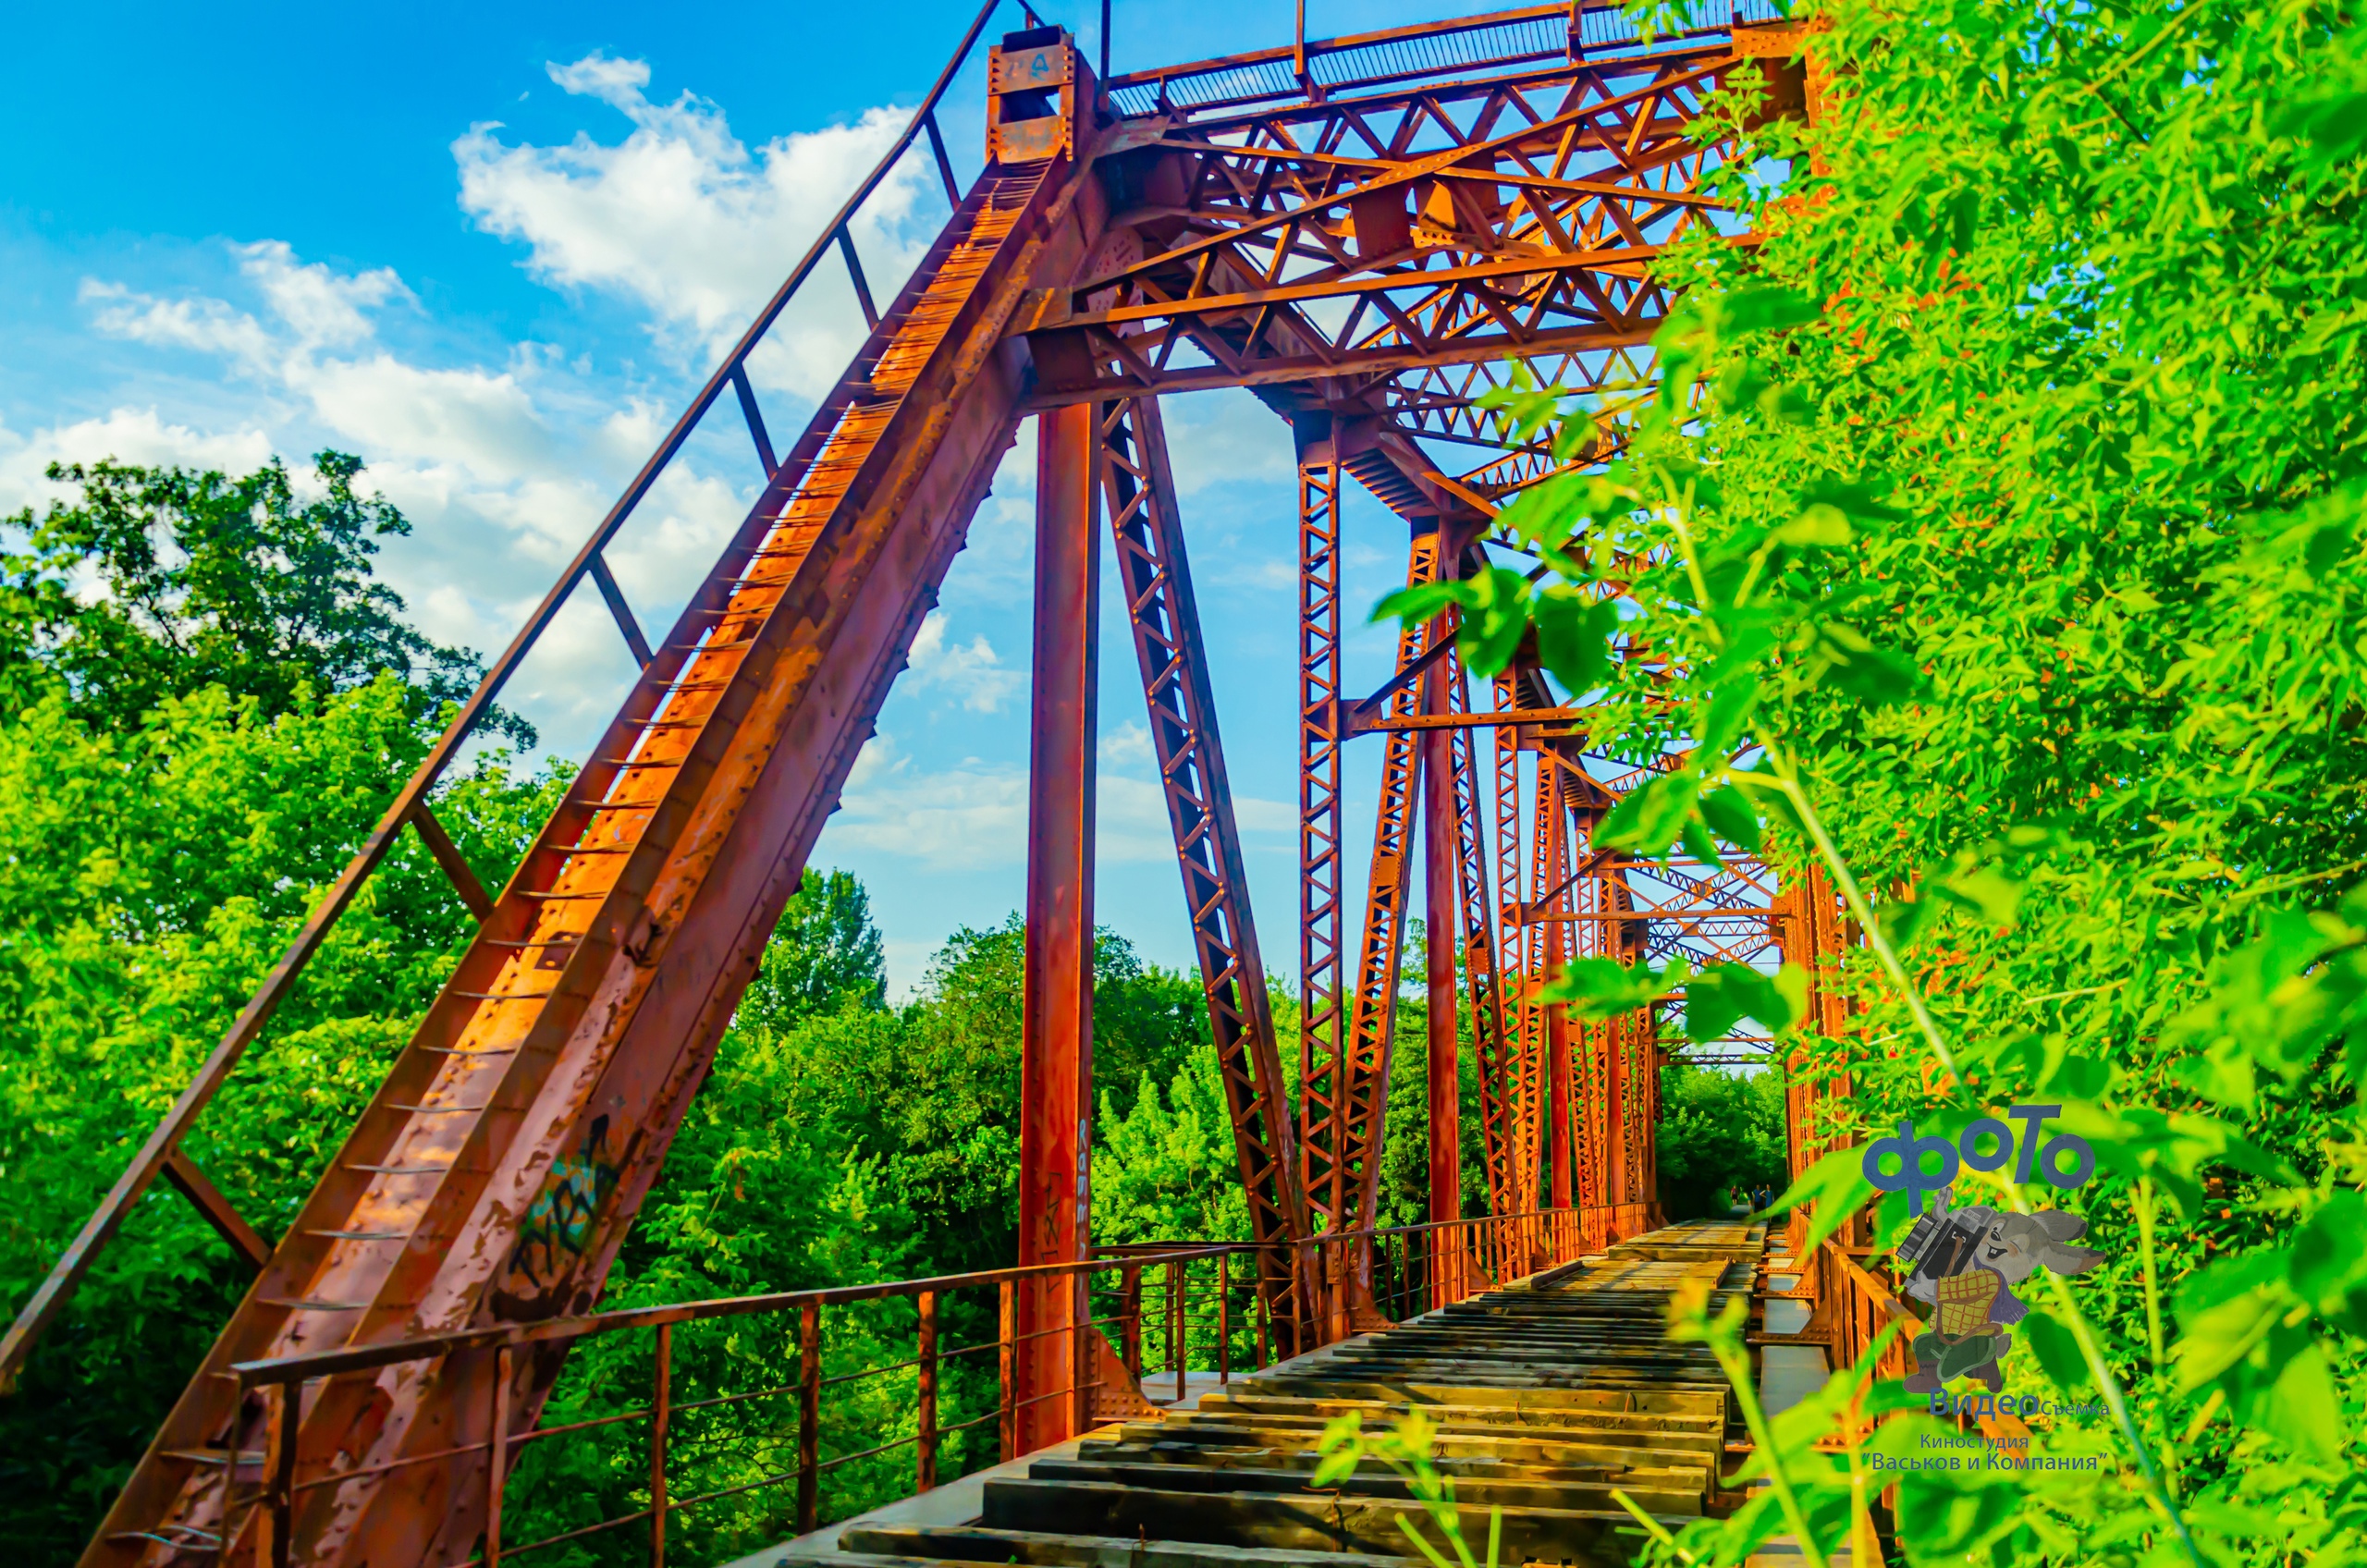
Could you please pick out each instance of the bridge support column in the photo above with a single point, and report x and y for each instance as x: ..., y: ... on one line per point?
x: 1056, y: 1030
x: 1443, y: 918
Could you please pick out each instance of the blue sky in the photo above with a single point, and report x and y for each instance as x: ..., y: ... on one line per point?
x: 492, y: 249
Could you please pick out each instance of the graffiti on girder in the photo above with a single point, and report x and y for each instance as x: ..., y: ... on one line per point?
x: 557, y: 1227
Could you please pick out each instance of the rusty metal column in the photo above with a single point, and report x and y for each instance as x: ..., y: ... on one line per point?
x: 1322, y: 947
x: 1155, y: 576
x: 1617, y: 1032
x: 1557, y: 1017
x: 1442, y: 915
x: 1056, y: 1019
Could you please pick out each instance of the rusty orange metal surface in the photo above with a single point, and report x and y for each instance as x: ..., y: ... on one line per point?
x: 1370, y: 231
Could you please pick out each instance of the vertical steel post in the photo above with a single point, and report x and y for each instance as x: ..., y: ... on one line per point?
x: 925, y: 1468
x: 1055, y: 1026
x: 1557, y: 1017
x: 661, y: 1415
x: 1225, y: 1319
x: 279, y: 1458
x: 1321, y: 950
x: 1441, y: 917
x: 809, y: 1416
x: 1007, y: 1343
x: 497, y: 1457
x: 1616, y: 1032
x: 1177, y: 1352
x: 1130, y: 1314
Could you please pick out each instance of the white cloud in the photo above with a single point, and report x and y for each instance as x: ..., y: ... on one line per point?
x: 1226, y: 437
x: 503, y: 467
x: 968, y: 817
x: 971, y: 672
x: 687, y: 221
x: 1127, y: 746
x: 486, y: 423
x: 972, y: 815
x: 130, y: 436
x: 322, y: 309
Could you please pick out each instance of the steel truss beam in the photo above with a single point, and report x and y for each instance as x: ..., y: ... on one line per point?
x: 1438, y: 225
x: 1362, y: 1111
x: 1155, y: 575
x: 1323, y: 958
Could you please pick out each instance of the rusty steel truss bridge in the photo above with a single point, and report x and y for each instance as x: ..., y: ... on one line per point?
x: 1370, y: 233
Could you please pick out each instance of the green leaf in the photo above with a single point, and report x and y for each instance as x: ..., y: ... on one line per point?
x: 2303, y: 1410
x: 1727, y: 713
x: 1764, y: 309
x: 2329, y: 1263
x: 1495, y: 617
x: 1984, y: 890
x: 2057, y: 1349
x: 1697, y: 843
x: 1731, y: 816
x: 1819, y: 522
x: 1844, y: 660
x: 1722, y: 994
x: 1649, y: 819
x: 1836, y: 1185
x: 1574, y: 637
x: 1420, y: 601
x: 1604, y: 987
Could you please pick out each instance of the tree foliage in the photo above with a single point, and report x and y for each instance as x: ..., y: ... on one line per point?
x: 157, y: 582
x: 2000, y: 513
x: 1718, y: 1131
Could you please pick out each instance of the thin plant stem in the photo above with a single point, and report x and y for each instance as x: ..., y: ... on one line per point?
x: 2156, y: 1492
x: 2144, y: 1204
x: 1786, y: 779
x: 1737, y: 1365
x: 1652, y: 1526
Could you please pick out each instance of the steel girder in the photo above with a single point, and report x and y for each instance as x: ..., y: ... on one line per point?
x: 553, y: 1070
x: 1154, y: 573
x: 1322, y: 1047
x: 1056, y: 1004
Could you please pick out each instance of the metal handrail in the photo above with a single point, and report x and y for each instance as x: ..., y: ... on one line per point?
x: 1536, y: 1238
x: 1499, y: 41
x: 411, y: 802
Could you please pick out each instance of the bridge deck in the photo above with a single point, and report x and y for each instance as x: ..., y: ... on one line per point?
x: 1546, y: 1396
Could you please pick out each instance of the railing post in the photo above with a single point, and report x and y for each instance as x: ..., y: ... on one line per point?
x: 661, y: 1412
x: 809, y: 1416
x: 279, y: 1495
x: 925, y: 1475
x: 1130, y: 1313
x: 1009, y: 1341
x: 1225, y: 1317
x: 1084, y: 1367
x: 1260, y: 1314
x: 497, y: 1458
x: 1175, y: 1350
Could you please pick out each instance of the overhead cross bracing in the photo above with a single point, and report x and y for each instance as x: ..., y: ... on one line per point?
x: 1370, y: 240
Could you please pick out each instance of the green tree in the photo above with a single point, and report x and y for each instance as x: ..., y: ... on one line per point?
x: 147, y: 882
x: 2000, y: 520
x: 157, y: 582
x: 1718, y: 1130
x: 823, y: 957
x: 205, y: 703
